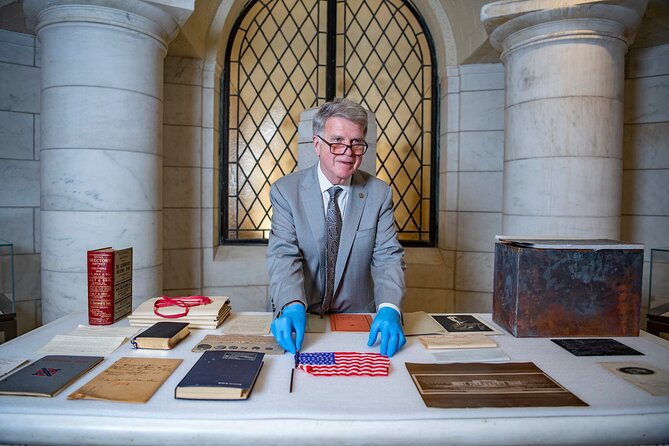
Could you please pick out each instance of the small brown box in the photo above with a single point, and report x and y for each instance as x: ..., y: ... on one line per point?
x: 546, y: 288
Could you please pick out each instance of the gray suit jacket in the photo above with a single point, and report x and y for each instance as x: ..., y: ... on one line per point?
x: 370, y: 264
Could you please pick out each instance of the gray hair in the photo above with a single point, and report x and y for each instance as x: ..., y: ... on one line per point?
x: 343, y: 108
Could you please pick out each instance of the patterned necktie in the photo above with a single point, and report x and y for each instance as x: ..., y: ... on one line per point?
x: 332, y: 233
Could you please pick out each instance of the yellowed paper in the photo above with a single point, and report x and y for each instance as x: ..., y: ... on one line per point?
x: 128, y: 380
x: 247, y: 324
x: 315, y: 324
x: 646, y: 376
x: 8, y: 365
x: 82, y: 345
x: 457, y: 341
x: 104, y: 331
x: 420, y: 323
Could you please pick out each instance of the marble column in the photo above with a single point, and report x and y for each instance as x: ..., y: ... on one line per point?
x: 101, y: 141
x: 564, y: 67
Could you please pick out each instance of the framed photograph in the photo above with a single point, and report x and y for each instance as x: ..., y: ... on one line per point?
x: 463, y: 323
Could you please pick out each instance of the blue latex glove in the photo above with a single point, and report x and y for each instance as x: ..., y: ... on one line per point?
x: 387, y: 322
x: 293, y: 319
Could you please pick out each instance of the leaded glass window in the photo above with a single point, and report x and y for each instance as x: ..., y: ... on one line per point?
x: 286, y: 56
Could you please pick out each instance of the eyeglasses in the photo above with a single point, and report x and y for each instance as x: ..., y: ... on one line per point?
x: 338, y: 148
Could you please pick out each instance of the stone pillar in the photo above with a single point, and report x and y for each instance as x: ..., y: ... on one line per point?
x: 564, y: 66
x: 101, y: 142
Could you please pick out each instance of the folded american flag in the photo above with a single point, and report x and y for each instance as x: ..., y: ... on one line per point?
x: 344, y: 364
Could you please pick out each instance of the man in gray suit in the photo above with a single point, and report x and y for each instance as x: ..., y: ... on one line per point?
x: 333, y: 245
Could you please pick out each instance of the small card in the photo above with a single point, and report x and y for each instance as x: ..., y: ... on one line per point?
x: 420, y: 323
x: 642, y: 374
x: 350, y: 322
x: 463, y: 323
x: 595, y: 347
x: 260, y: 344
x: 455, y: 341
x: 315, y: 324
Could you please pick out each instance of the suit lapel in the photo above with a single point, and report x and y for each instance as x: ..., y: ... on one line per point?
x: 356, y: 203
x: 310, y: 194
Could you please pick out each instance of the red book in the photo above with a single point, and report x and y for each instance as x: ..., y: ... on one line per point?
x: 109, y: 285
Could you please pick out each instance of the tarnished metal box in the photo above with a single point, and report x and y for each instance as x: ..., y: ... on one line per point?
x: 552, y: 288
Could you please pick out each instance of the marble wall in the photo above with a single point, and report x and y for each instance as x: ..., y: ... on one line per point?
x: 20, y: 169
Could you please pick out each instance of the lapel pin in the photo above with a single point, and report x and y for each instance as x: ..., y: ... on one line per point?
x: 361, y: 195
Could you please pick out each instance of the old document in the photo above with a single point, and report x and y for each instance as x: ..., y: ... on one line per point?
x: 128, y: 380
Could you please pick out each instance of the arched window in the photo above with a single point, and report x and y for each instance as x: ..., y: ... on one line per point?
x: 285, y: 56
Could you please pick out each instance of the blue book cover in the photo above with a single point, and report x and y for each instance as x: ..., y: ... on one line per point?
x: 48, y: 376
x: 221, y: 375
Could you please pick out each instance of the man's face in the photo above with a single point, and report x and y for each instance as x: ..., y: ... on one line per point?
x: 338, y: 168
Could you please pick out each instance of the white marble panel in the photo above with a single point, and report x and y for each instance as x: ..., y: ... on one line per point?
x: 448, y: 230
x: 569, y: 126
x: 430, y: 300
x: 63, y: 293
x: 209, y: 227
x: 564, y: 186
x: 37, y: 136
x: 182, y: 268
x: 19, y: 88
x: 183, y: 104
x: 181, y: 228
x: 235, y: 265
x: 646, y: 99
x: 246, y: 298
x: 66, y: 236
x: 73, y: 55
x: 27, y: 277
x: 26, y: 316
x: 477, y: 230
x: 182, y: 146
x: 37, y: 213
x: 100, y: 180
x: 210, y: 148
x: 209, y: 107
x: 449, y: 181
x: 469, y: 302
x: 482, y: 151
x: 644, y: 62
x: 429, y: 275
x: 181, y: 187
x: 183, y: 70
x: 453, y: 78
x: 480, y: 191
x: 645, y: 192
x: 477, y: 77
x: 17, y: 48
x: 450, y: 113
x: 16, y: 226
x: 474, y: 271
x: 210, y: 192
x: 557, y: 226
x: 20, y: 183
x: 482, y: 110
x: 596, y: 68
x: 146, y: 283
x: 91, y: 117
x: 645, y: 146
x: 211, y: 74
x: 449, y: 158
x: 651, y: 230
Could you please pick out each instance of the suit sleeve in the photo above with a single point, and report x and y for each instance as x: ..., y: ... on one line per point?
x: 388, y: 258
x: 284, y: 259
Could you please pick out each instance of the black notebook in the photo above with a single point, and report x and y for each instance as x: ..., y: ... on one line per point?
x: 595, y: 347
x: 47, y: 376
x: 221, y: 375
x: 161, y: 335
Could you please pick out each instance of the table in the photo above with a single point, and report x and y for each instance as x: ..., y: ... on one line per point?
x: 342, y: 410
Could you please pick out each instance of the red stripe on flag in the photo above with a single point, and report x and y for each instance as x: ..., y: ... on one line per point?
x: 351, y: 364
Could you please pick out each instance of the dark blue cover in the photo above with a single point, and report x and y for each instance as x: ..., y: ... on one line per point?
x: 224, y: 369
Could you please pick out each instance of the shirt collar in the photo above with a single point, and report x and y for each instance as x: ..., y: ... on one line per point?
x: 325, y: 183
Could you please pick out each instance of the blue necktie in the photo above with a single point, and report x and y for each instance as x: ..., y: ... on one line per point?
x: 332, y: 234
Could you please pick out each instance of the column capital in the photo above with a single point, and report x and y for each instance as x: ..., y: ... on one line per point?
x: 161, y: 19
x: 511, y: 23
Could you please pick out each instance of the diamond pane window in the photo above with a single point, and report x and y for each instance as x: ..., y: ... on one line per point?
x: 287, y: 56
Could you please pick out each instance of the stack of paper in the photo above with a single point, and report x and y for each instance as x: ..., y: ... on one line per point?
x: 208, y: 316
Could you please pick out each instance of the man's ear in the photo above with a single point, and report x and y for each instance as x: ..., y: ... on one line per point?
x: 315, y: 141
